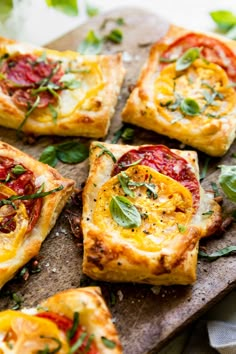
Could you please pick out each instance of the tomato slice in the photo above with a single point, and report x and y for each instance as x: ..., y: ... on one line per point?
x: 212, y: 49
x: 64, y: 324
x: 163, y: 160
x: 22, y: 184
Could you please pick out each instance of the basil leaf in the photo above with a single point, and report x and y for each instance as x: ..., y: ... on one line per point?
x: 72, y: 152
x: 208, y: 213
x: 181, y: 228
x: 6, y: 7
x: 53, y: 112
x: 91, y: 11
x: 91, y: 44
x: 215, y: 189
x: 190, y: 107
x: 105, y: 151
x: 187, y: 59
x: 232, y: 33
x: 46, y: 350
x: 18, y: 301
x: 205, y: 168
x: 71, y: 332
x: 108, y: 343
x: 124, y: 182
x: 69, y: 7
x: 36, y: 195
x: 70, y: 82
x: 167, y: 60
x: 220, y: 253
x: 115, y: 36
x: 227, y: 181
x: 224, y: 19
x: 28, y: 113
x: 18, y: 169
x: 124, y: 212
x: 123, y: 165
x: 128, y: 134
x: 49, y: 156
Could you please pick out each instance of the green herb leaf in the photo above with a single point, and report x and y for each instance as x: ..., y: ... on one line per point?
x: 28, y: 113
x: 70, y: 81
x: 181, y: 228
x: 105, y: 151
x: 18, y: 301
x: 53, y: 112
x: 49, y: 156
x: 69, y: 7
x: 208, y: 213
x: 224, y: 19
x: 72, y: 152
x: 215, y: 189
x: 232, y: 33
x: 205, y: 168
x: 220, y: 253
x: 108, y: 343
x: 78, y: 343
x: 167, y: 60
x: 128, y: 134
x: 6, y: 7
x: 46, y: 350
x: 91, y: 44
x: 187, y: 59
x: 124, y: 182
x: 18, y: 169
x: 227, y: 181
x: 71, y: 332
x: 115, y: 36
x: 123, y: 165
x: 124, y: 212
x: 190, y: 107
x: 91, y: 10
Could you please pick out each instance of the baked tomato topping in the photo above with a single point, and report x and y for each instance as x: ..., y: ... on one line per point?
x: 65, y: 324
x: 22, y: 182
x: 23, y: 74
x: 163, y: 160
x: 212, y: 49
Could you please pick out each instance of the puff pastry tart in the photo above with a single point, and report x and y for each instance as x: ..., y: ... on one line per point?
x: 44, y: 91
x: 185, y: 91
x: 32, y: 195
x: 74, y: 321
x: 144, y: 213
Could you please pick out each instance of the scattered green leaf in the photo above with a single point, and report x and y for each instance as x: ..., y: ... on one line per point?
x: 78, y: 343
x: 215, y: 189
x: 18, y: 169
x: 224, y: 19
x: 70, y: 82
x: 208, y: 213
x: 124, y: 182
x: 53, y: 112
x: 105, y: 151
x: 18, y: 301
x: 181, y: 228
x: 124, y: 212
x: 49, y: 156
x: 115, y: 36
x: 187, y: 59
x: 227, y: 181
x: 28, y: 113
x: 69, y: 7
x: 71, y: 332
x: 190, y: 107
x: 220, y: 253
x: 91, y: 10
x: 92, y: 44
x: 46, y: 350
x: 205, y: 168
x: 72, y: 152
x: 167, y: 60
x: 108, y: 343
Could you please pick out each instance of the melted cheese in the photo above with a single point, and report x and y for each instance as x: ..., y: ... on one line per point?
x: 11, y: 241
x: 29, y: 334
x: 162, y: 218
x: 199, y: 81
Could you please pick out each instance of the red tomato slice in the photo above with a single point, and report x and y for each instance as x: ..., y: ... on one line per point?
x: 212, y: 49
x: 22, y: 184
x: 163, y: 160
x: 65, y: 324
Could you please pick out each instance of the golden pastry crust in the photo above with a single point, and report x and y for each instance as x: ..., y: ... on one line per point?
x: 112, y: 253
x: 29, y: 245
x: 212, y: 130
x: 94, y: 317
x: 82, y: 111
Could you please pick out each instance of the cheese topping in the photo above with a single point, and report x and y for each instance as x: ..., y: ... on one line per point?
x: 205, y: 83
x: 10, y: 241
x: 29, y: 334
x: 164, y: 213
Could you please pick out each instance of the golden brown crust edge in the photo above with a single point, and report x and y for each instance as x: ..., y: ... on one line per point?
x: 51, y: 208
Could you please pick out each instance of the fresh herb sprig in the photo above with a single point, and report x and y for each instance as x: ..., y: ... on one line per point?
x: 217, y: 254
x: 225, y: 21
x: 124, y: 213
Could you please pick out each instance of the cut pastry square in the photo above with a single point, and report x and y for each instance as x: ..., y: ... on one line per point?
x: 144, y: 213
x: 32, y: 195
x: 47, y: 92
x: 72, y: 321
x: 185, y: 91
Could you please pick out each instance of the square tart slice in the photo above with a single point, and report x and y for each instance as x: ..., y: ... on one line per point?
x: 74, y: 318
x: 32, y: 195
x: 141, y: 225
x: 185, y: 91
x: 47, y: 92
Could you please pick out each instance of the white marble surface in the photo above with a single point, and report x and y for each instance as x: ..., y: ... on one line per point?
x: 33, y: 21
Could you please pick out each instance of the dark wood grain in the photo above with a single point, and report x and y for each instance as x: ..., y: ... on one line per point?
x: 145, y: 321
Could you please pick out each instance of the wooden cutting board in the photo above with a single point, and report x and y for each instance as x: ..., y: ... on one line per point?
x: 145, y: 320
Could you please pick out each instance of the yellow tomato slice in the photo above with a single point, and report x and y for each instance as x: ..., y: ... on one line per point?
x: 10, y: 242
x: 28, y: 334
x: 162, y: 218
x: 204, y: 82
